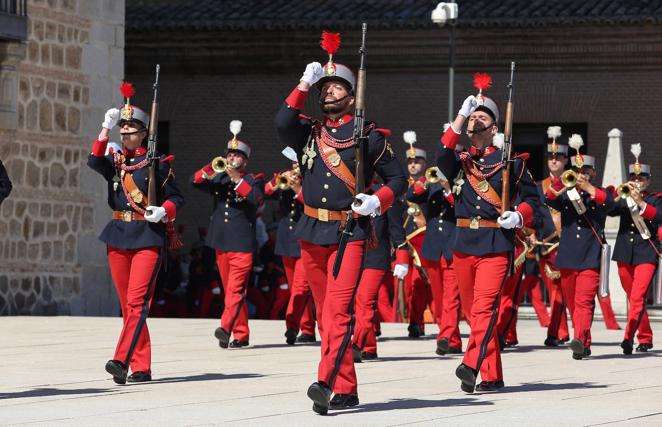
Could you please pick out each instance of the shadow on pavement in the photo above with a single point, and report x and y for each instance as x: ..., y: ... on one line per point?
x: 409, y: 358
x: 47, y: 391
x: 547, y: 387
x: 620, y: 355
x: 204, y: 377
x: 406, y: 338
x: 397, y: 404
x: 283, y: 345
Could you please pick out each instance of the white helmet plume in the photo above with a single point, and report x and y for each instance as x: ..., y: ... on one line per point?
x: 409, y: 137
x: 235, y: 127
x: 635, y: 149
x: 553, y: 132
x: 576, y: 141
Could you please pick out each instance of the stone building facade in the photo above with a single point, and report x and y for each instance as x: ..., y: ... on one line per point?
x: 63, y: 79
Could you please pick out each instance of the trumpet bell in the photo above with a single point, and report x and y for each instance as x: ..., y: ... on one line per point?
x: 623, y: 191
x: 569, y: 178
x: 433, y: 175
x: 282, y: 182
x: 219, y: 164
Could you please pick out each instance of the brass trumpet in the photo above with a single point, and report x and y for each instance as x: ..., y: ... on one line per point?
x: 569, y: 178
x: 284, y: 180
x: 624, y: 191
x: 433, y: 175
x: 219, y: 164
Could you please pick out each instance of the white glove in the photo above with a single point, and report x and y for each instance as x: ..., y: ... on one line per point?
x: 216, y: 290
x: 111, y: 118
x: 510, y: 219
x: 400, y: 271
x: 468, y: 106
x: 313, y: 73
x: 155, y: 214
x: 369, y: 205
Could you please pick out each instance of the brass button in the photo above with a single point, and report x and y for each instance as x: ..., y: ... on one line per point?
x: 632, y: 240
x: 579, y: 228
x: 226, y: 214
x: 434, y: 201
x: 440, y: 229
x: 478, y: 198
x: 216, y: 192
x: 291, y: 220
x: 578, y: 236
x: 291, y: 228
x: 128, y: 204
x: 323, y: 199
x: 326, y: 186
x: 292, y: 204
x: 333, y: 130
x: 328, y: 174
x: 631, y: 232
x: 482, y: 160
x: 441, y: 221
x: 227, y: 205
x: 226, y: 220
x: 477, y: 206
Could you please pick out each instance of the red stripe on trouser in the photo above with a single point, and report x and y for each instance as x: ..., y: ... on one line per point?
x: 480, y: 279
x: 583, y: 286
x: 608, y: 313
x: 234, y: 268
x: 299, y: 314
x: 366, y: 299
x: 384, y: 306
x: 334, y: 299
x: 134, y: 273
x: 510, y: 295
x: 558, y: 320
x: 445, y: 300
x: 635, y: 280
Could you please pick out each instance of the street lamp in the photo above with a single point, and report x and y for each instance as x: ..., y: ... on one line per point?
x: 442, y: 14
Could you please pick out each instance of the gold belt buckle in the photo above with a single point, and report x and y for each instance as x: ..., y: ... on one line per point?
x: 127, y: 216
x: 474, y: 224
x: 323, y: 215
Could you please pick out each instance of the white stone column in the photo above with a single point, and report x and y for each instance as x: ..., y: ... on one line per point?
x: 614, y: 174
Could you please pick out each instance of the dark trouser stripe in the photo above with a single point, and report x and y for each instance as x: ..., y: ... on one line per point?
x: 516, y: 299
x: 588, y: 330
x: 144, y: 311
x: 350, y: 326
x: 494, y: 317
x: 643, y: 307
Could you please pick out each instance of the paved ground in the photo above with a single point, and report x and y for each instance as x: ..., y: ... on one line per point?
x: 53, y: 374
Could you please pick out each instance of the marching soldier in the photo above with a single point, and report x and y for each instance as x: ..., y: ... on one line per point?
x: 583, y: 210
x: 637, y: 248
x: 484, y: 237
x: 137, y: 233
x: 327, y: 153
x: 237, y: 196
x: 548, y: 242
x: 390, y: 234
x: 285, y: 187
x: 434, y: 191
x: 5, y: 183
x: 416, y: 283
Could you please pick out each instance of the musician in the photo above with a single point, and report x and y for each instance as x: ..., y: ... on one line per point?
x: 637, y: 248
x: 237, y: 197
x: 483, y: 246
x: 434, y: 191
x: 137, y: 234
x: 328, y: 167
x: 285, y: 187
x: 583, y: 210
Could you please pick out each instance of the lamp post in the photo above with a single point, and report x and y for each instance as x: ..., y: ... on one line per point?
x: 447, y: 13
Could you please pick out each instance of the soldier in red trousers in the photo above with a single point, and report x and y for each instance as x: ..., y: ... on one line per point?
x: 137, y: 234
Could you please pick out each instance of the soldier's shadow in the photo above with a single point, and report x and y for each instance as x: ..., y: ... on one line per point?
x: 397, y: 404
x: 620, y: 355
x: 548, y: 387
x: 284, y: 345
x: 203, y: 377
x: 51, y: 391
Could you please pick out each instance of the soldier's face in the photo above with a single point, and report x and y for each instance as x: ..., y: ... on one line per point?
x: 641, y: 181
x: 335, y: 98
x: 132, y: 135
x: 237, y: 160
x: 589, y: 172
x: 416, y: 166
x: 556, y: 163
x: 481, y: 127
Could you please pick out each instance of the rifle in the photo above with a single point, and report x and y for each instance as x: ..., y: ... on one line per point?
x: 507, y: 146
x: 152, y: 158
x: 359, y: 139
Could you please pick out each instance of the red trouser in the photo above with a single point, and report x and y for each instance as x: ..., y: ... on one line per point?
x: 558, y: 322
x: 531, y: 286
x: 134, y: 273
x: 635, y: 280
x: 234, y: 268
x: 384, y: 306
x: 510, y: 298
x: 334, y: 299
x: 608, y: 313
x: 480, y: 279
x: 579, y: 289
x: 366, y: 315
x: 445, y: 300
x: 299, y: 314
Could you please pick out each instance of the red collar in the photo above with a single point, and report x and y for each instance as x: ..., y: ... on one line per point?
x: 477, y: 152
x: 341, y: 121
x: 140, y: 151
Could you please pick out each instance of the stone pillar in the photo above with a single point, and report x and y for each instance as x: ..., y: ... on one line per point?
x: 615, y: 174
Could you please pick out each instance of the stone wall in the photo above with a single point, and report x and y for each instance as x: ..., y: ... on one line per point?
x: 51, y: 261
